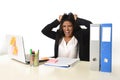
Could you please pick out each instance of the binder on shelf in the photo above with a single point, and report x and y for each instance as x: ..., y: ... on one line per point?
x: 106, y: 47
x: 94, y: 46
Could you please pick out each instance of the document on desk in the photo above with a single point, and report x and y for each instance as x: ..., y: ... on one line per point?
x: 62, y: 62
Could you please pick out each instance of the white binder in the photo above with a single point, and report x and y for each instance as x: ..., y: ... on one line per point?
x: 95, y: 47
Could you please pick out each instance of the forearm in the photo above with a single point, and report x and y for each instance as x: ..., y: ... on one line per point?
x: 47, y: 30
x: 50, y: 26
x: 84, y: 22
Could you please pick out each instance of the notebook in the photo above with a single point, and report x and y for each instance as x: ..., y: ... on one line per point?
x: 16, y: 49
x: 61, y: 62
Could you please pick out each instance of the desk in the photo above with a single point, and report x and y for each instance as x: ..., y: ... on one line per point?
x: 13, y: 70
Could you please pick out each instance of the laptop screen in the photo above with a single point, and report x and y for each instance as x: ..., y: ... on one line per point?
x: 16, y: 47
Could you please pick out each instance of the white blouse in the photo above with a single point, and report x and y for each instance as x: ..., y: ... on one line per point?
x: 70, y: 49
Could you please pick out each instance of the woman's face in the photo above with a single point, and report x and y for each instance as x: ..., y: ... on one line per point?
x: 67, y: 28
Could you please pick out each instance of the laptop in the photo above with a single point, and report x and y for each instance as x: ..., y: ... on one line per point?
x: 16, y: 49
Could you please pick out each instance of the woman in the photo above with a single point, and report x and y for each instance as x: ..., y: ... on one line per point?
x: 70, y: 40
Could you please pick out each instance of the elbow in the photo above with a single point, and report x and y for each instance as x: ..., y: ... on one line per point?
x: 43, y: 31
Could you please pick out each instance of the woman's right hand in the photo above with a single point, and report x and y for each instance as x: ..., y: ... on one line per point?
x: 60, y: 17
x: 75, y: 16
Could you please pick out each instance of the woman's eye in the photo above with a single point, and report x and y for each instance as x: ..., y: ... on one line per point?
x: 70, y: 26
x: 63, y: 26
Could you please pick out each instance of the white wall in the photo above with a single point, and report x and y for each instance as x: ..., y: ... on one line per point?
x: 28, y: 17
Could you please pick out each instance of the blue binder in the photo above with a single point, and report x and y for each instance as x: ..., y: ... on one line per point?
x: 106, y: 47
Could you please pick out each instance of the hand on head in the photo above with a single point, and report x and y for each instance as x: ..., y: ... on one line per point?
x: 61, y: 16
x: 75, y: 16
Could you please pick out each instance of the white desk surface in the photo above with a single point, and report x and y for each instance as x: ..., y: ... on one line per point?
x: 13, y: 70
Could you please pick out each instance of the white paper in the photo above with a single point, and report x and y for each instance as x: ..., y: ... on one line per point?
x: 106, y: 34
x: 95, y: 33
x: 62, y: 62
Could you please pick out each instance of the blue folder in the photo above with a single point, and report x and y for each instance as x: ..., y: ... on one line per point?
x: 106, y: 47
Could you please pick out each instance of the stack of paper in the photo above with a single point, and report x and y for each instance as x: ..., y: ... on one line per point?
x: 62, y: 62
